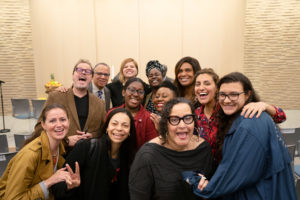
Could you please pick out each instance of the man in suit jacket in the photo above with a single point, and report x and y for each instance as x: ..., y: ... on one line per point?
x: 86, y: 111
x: 100, y: 79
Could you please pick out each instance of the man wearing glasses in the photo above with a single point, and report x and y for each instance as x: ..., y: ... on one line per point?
x: 99, y: 82
x: 86, y: 111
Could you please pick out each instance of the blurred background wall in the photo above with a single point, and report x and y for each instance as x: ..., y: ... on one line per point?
x: 259, y: 38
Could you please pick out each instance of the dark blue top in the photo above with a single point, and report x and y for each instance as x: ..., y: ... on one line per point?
x: 255, y: 164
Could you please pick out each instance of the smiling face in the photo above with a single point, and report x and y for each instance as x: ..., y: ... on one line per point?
x: 179, y: 136
x: 186, y: 74
x: 129, y: 70
x: 56, y: 124
x: 205, y: 89
x: 82, y: 80
x: 155, y: 77
x: 118, y: 128
x: 163, y: 95
x: 101, y: 76
x: 231, y: 107
x: 133, y: 100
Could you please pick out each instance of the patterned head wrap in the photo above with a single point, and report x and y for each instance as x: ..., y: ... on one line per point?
x: 155, y: 64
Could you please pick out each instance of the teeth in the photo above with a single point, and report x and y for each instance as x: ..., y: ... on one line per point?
x: 117, y: 135
x: 203, y: 94
x: 134, y: 100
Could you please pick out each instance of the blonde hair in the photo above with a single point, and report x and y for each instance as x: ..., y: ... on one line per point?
x: 127, y: 60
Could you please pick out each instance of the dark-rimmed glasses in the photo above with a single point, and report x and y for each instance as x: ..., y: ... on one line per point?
x: 133, y: 91
x: 175, y: 120
x: 102, y: 74
x: 86, y: 71
x: 234, y: 96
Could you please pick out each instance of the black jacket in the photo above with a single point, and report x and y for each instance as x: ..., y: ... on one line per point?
x: 96, y: 172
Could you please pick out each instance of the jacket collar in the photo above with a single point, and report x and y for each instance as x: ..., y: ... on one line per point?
x: 235, y: 124
x: 73, y: 110
x: 46, y: 153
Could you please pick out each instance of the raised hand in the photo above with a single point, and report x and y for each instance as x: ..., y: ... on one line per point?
x: 75, y: 177
x: 59, y: 176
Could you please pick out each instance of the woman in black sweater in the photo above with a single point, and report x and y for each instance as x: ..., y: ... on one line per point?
x: 156, y: 171
x: 103, y: 162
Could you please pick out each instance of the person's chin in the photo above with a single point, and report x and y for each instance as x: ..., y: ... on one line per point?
x: 229, y: 111
x: 81, y: 87
x: 134, y: 105
x: 186, y: 83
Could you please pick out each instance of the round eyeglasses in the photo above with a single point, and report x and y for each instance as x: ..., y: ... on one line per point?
x: 133, y: 91
x: 86, y: 71
x: 175, y: 120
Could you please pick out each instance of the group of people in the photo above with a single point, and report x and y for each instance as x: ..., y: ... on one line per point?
x: 195, y: 137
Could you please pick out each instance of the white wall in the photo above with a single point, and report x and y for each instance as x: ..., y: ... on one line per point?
x: 112, y: 30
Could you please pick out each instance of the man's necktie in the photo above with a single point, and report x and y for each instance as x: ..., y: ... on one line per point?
x: 100, y: 94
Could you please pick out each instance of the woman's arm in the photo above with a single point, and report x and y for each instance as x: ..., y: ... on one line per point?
x: 140, y: 179
x: 76, y: 160
x: 23, y: 172
x: 257, y: 108
x: 242, y: 165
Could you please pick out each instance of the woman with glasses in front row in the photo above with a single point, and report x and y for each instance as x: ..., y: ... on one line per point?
x: 133, y: 92
x: 156, y: 170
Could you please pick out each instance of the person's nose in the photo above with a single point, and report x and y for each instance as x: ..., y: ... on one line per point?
x: 181, y: 123
x: 227, y: 100
x: 119, y: 127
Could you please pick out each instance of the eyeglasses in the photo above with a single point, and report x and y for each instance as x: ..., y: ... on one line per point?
x: 175, y: 120
x: 234, y: 96
x: 133, y: 91
x: 102, y: 74
x: 86, y: 71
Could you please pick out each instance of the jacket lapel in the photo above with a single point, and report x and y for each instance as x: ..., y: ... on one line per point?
x: 46, y: 165
x: 107, y: 98
x: 72, y: 106
x: 91, y: 107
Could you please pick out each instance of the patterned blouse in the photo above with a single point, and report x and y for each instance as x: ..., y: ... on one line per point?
x: 150, y: 106
x: 207, y: 128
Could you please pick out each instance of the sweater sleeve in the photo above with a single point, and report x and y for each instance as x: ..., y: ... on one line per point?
x: 279, y: 116
x: 141, y: 177
x: 20, y: 177
x: 78, y: 154
x: 241, y: 166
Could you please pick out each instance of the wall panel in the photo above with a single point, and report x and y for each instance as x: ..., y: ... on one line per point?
x: 160, y: 33
x: 16, y: 53
x: 117, y: 31
x: 272, y: 50
x: 63, y: 33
